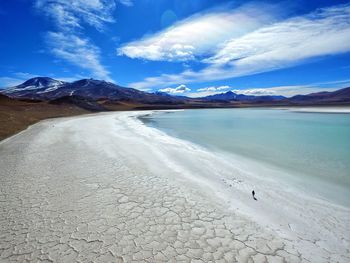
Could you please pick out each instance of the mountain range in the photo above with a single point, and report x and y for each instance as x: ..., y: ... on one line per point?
x: 89, y: 93
x: 231, y: 96
x: 44, y: 88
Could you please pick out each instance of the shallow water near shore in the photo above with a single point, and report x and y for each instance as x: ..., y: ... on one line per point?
x: 311, y: 150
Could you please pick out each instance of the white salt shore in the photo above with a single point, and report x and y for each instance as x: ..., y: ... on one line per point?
x: 106, y: 188
x: 319, y: 109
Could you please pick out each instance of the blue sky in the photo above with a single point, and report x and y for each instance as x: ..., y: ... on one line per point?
x: 183, y: 47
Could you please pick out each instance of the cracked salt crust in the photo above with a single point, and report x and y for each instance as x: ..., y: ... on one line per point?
x: 85, y: 191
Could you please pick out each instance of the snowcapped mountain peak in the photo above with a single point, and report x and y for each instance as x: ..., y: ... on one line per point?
x: 41, y: 82
x: 37, y: 84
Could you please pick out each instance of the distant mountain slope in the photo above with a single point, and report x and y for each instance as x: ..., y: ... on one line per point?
x: 227, y: 96
x: 338, y: 96
x: 43, y: 88
x: 341, y: 96
x: 231, y: 96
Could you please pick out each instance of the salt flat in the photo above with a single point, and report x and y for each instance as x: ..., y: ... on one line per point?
x: 328, y: 109
x: 105, y: 188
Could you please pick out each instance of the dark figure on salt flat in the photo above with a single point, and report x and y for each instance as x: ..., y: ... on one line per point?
x: 253, y: 194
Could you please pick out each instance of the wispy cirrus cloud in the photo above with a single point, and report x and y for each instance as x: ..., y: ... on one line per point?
x: 67, y: 40
x: 198, y: 35
x: 178, y: 90
x: 323, y: 32
x: 127, y: 2
x: 78, y: 51
x: 69, y: 15
x: 279, y: 45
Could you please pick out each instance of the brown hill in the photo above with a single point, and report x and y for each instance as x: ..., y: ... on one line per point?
x: 17, y: 115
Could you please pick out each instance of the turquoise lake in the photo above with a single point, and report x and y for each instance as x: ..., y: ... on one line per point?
x: 313, y: 146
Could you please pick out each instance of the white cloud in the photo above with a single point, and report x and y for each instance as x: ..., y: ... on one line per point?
x: 258, y: 92
x: 78, y: 51
x: 178, y: 90
x: 280, y: 45
x: 126, y: 2
x: 213, y: 88
x: 187, y: 76
x: 207, y: 91
x: 200, y: 94
x: 324, y: 32
x: 73, y: 14
x: 68, y: 42
x: 198, y: 35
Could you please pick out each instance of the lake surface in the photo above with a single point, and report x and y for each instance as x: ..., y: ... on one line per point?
x: 312, y: 149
